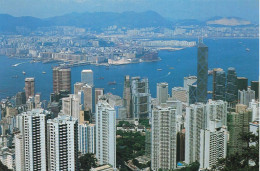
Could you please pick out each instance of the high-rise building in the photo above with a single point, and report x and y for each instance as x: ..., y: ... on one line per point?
x: 254, y: 107
x: 164, y: 134
x: 61, y: 79
x: 231, y: 88
x: 148, y: 142
x: 71, y: 106
x: 98, y: 92
x: 190, y: 80
x: 213, y: 144
x: 86, y: 138
x: 219, y: 85
x: 202, y: 73
x: 105, y: 133
x: 216, y: 110
x: 87, y: 77
x: 85, y: 92
x: 238, y: 123
x: 246, y: 96
x: 127, y: 96
x: 255, y: 87
x: 33, y: 154
x: 162, y: 93
x: 195, y: 114
x: 242, y: 83
x: 180, y: 146
x: 20, y: 98
x: 141, y: 98
x: 62, y: 149
x: 179, y: 93
x: 214, y: 81
x: 192, y: 98
x: 77, y: 87
x: 19, y: 152
x: 29, y: 87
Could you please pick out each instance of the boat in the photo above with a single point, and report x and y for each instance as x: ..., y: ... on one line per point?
x: 247, y: 49
x: 24, y: 73
x: 112, y: 83
x: 43, y: 72
x: 159, y: 69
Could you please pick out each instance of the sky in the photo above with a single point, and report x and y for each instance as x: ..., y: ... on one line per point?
x: 172, y: 9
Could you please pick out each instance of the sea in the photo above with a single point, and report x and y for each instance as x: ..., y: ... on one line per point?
x: 223, y: 53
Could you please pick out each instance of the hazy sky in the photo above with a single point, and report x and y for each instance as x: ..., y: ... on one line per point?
x: 174, y: 9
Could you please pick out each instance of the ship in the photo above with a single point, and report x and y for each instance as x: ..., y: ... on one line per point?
x: 247, y: 49
x: 43, y: 72
x: 24, y: 73
x: 159, y: 69
x: 112, y: 83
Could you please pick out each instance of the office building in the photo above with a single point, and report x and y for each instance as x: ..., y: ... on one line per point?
x: 62, y: 149
x: 219, y: 84
x: 180, y: 146
x: 195, y: 114
x: 188, y: 81
x: 255, y: 87
x: 77, y: 87
x: 216, y: 110
x: 213, y: 145
x: 33, y: 154
x: 98, y: 92
x: 254, y: 107
x: 105, y: 133
x: 71, y: 106
x: 231, y: 87
x: 162, y: 93
x: 87, y: 77
x: 29, y: 87
x: 85, y: 92
x: 20, y: 98
x: 246, y: 96
x: 238, y: 123
x: 127, y: 96
x: 202, y: 73
x: 61, y: 79
x: 86, y: 138
x: 242, y: 83
x: 179, y: 93
x: 141, y: 98
x: 19, y: 152
x: 164, y: 134
x: 192, y: 98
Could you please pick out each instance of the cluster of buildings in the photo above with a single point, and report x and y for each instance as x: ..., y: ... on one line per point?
x: 186, y: 126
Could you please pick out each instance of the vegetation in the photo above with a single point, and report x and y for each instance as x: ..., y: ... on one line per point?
x: 87, y: 161
x: 145, y: 122
x: 240, y: 162
x: 129, y: 146
x: 124, y: 123
x: 140, y: 165
x: 3, y: 167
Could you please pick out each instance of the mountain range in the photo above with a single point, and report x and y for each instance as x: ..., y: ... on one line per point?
x: 101, y: 20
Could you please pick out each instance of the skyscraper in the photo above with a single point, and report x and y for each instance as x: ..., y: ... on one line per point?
x: 86, y: 138
x: 179, y: 93
x: 98, y: 92
x: 141, y: 98
x: 62, y: 149
x: 71, y: 106
x: 20, y: 98
x: 231, y: 88
x: 29, y: 87
x: 190, y: 80
x: 61, y: 79
x: 164, y: 134
x: 87, y: 77
x: 33, y: 134
x: 255, y: 87
x: 202, y: 73
x: 219, y: 84
x: 162, y: 93
x: 242, y: 83
x: 216, y: 110
x: 246, y: 96
x: 105, y: 133
x: 127, y: 96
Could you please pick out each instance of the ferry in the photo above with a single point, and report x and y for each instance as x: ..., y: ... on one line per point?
x: 24, y: 73
x: 112, y: 83
x: 43, y: 72
x: 247, y: 49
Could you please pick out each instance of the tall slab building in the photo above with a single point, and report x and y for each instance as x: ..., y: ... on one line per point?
x: 127, y: 96
x: 61, y: 79
x: 29, y: 87
x: 87, y: 77
x: 202, y: 73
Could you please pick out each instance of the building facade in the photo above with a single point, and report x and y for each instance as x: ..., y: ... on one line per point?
x: 61, y: 79
x: 29, y: 87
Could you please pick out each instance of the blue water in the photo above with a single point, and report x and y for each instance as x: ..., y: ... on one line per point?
x: 223, y: 53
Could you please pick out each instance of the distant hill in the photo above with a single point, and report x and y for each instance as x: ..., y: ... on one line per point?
x: 100, y: 20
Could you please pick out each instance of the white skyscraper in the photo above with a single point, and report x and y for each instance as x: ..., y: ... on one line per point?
x: 33, y: 155
x: 71, y: 105
x: 162, y: 92
x: 213, y: 144
x: 164, y: 134
x: 194, y: 122
x: 254, y: 106
x: 87, y: 77
x: 62, y: 133
x: 19, y: 152
x: 86, y: 138
x: 244, y: 97
x: 105, y: 133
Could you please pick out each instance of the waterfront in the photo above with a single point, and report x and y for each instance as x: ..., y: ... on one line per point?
x: 223, y: 53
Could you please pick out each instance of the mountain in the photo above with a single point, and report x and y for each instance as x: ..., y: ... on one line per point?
x: 97, y: 20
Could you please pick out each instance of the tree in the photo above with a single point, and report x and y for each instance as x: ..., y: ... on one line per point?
x: 240, y: 161
x: 87, y: 161
x: 3, y: 167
